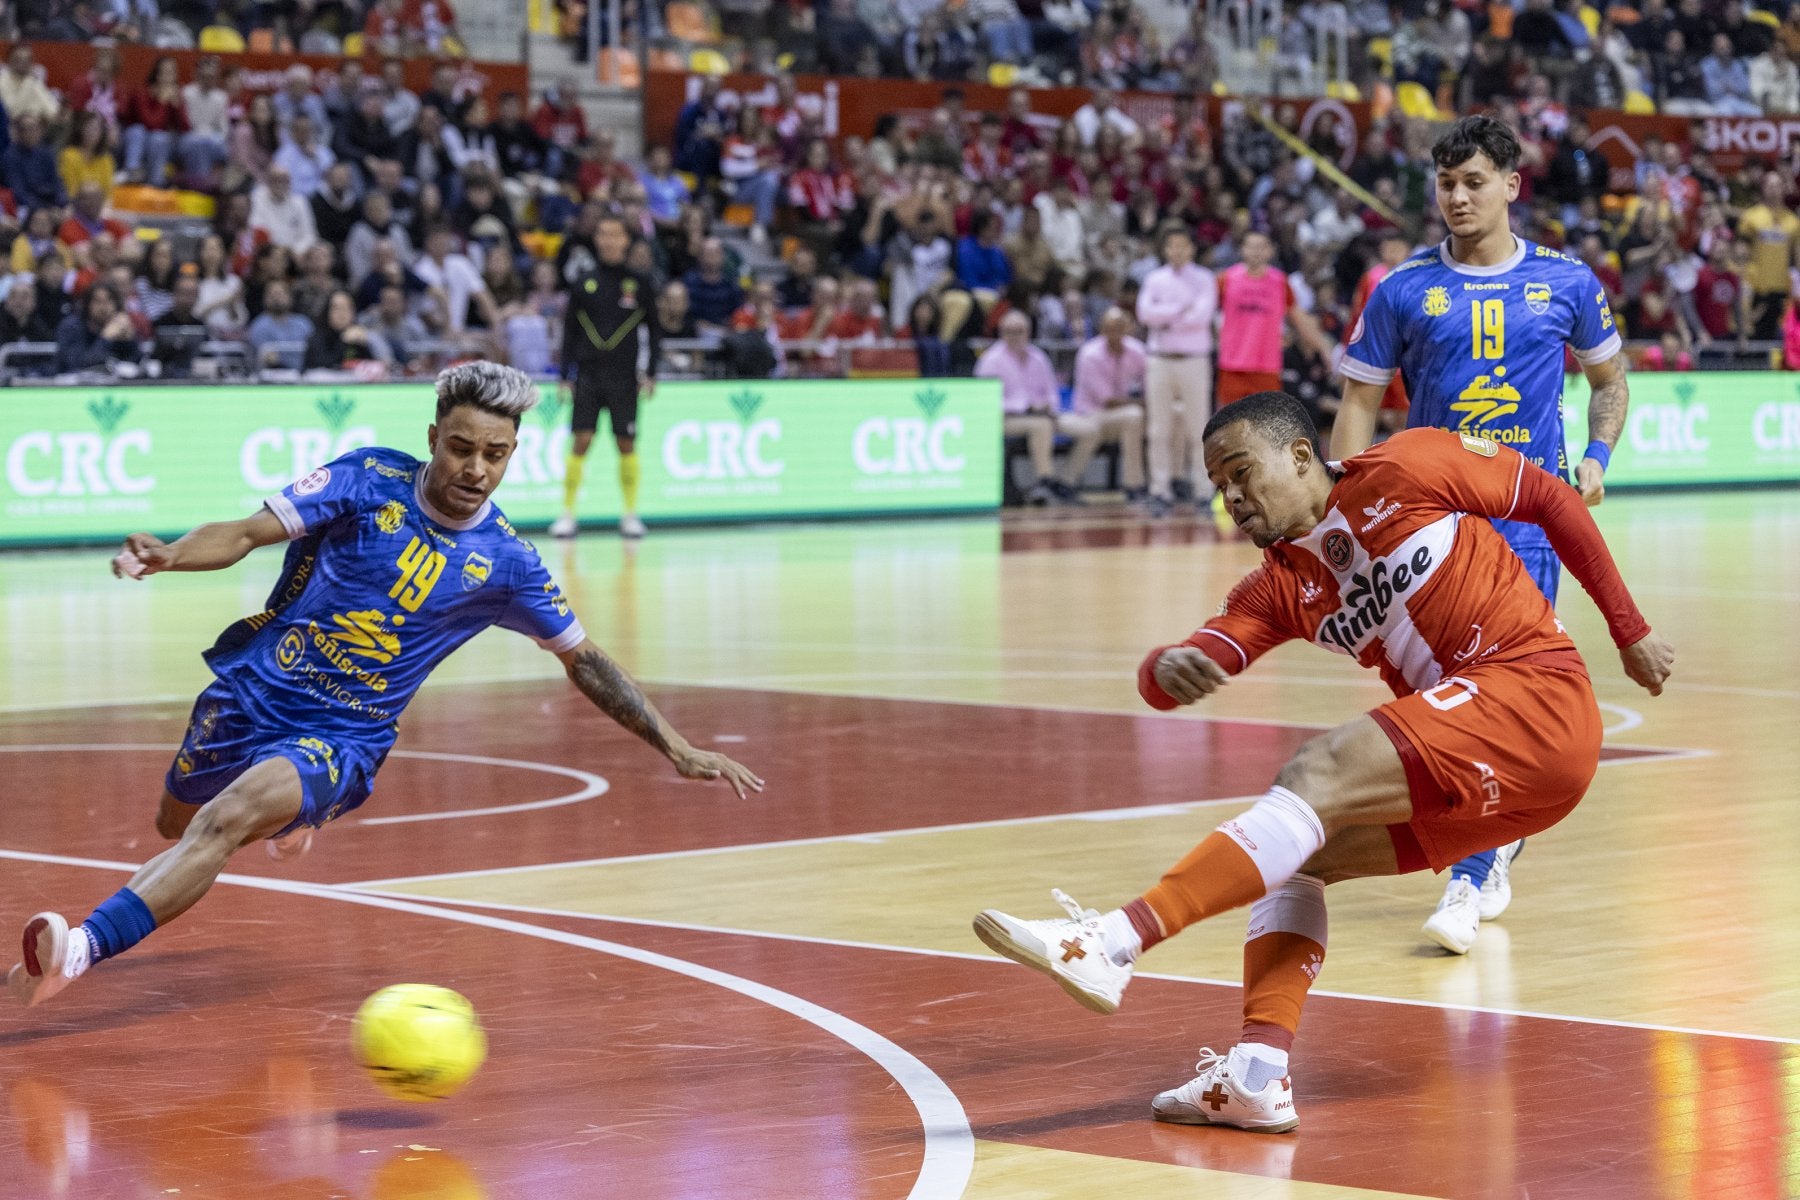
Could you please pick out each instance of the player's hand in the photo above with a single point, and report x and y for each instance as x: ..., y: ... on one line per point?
x: 1188, y: 675
x: 143, y: 554
x: 1649, y: 661
x: 1590, y: 480
x: 646, y: 386
x: 709, y: 764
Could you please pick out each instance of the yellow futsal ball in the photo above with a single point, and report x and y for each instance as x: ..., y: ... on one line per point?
x: 418, y: 1042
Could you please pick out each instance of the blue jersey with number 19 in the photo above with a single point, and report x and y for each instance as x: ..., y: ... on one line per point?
x: 378, y: 588
x: 1481, y: 348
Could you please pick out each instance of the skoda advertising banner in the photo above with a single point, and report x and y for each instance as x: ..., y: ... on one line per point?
x: 94, y: 463
x: 1698, y: 428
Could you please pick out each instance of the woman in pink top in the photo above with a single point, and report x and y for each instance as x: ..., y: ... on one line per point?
x: 1254, y: 301
x: 1177, y: 304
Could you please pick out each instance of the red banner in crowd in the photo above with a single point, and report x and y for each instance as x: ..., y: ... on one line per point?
x: 65, y: 62
x: 1732, y: 141
x: 849, y: 107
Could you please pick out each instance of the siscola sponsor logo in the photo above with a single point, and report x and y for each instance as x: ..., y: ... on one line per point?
x: 1371, y: 597
x: 80, y: 463
x: 924, y: 445
x: 721, y: 451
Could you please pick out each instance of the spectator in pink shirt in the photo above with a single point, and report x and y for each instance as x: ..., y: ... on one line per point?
x: 1109, y: 382
x: 1028, y: 398
x: 1177, y: 304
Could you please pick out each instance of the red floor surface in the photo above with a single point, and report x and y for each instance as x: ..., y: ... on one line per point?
x: 212, y: 1060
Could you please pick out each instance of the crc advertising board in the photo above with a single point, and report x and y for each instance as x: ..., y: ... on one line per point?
x: 1698, y: 428
x: 94, y: 463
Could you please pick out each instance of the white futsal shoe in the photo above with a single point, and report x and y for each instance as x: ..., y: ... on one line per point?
x: 54, y: 958
x: 563, y: 527
x: 1457, y: 921
x: 1072, y: 952
x: 1496, y: 892
x: 291, y: 845
x: 631, y: 526
x: 1220, y: 1095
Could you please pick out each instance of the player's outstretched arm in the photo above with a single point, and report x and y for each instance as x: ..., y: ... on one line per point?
x: 211, y: 547
x: 1353, y: 430
x: 617, y: 695
x: 1606, y: 421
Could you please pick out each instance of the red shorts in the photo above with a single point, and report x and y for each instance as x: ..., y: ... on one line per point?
x: 1492, y: 754
x: 1235, y: 385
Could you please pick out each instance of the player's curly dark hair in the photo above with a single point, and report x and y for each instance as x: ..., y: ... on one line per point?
x: 1276, y: 415
x: 1478, y: 135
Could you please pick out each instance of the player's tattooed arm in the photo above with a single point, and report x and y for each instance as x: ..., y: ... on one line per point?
x: 1606, y: 407
x: 616, y: 694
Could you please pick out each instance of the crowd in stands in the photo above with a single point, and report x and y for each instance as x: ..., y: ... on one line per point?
x: 397, y: 28
x: 1694, y: 57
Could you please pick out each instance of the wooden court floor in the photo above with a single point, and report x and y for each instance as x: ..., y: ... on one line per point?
x: 689, y: 995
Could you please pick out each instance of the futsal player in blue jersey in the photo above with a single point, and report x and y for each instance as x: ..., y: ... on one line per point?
x: 392, y: 563
x: 1476, y: 327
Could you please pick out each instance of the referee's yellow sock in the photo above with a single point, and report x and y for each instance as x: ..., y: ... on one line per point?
x: 628, y: 480
x: 573, y: 468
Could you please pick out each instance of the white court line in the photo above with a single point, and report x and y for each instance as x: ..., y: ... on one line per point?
x: 949, y: 1142
x: 991, y: 958
x: 591, y: 784
x: 873, y: 837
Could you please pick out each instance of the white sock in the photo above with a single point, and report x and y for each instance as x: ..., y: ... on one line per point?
x: 1263, y: 1064
x: 1122, y: 942
x: 1279, y: 833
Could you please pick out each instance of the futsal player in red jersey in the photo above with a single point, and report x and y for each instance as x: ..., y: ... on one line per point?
x: 1493, y: 735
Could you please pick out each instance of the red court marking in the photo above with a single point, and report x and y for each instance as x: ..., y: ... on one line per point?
x: 835, y: 766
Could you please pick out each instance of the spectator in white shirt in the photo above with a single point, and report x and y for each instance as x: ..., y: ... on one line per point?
x: 1775, y: 80
x: 1331, y: 229
x: 21, y: 91
x: 1064, y: 230
x: 1100, y: 110
x: 297, y: 99
x: 202, y: 148
x: 281, y: 212
x: 456, y: 279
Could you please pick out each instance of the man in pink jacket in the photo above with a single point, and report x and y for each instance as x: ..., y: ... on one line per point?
x: 1177, y: 303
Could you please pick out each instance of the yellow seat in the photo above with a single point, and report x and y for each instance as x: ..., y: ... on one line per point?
x: 1002, y: 74
x: 353, y: 45
x: 708, y: 62
x: 221, y: 39
x: 1590, y: 20
x: 1344, y: 90
x: 1382, y: 51
x: 1638, y: 102
x: 740, y: 215
x: 1415, y: 101
x: 1767, y: 18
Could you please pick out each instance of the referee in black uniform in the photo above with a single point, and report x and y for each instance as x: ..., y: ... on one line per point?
x: 610, y: 346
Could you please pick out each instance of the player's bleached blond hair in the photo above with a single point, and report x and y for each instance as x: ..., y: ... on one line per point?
x: 503, y: 391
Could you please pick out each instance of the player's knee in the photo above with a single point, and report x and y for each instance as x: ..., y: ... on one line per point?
x: 1312, y: 771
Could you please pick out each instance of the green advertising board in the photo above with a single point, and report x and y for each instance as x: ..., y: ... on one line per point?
x: 93, y: 463
x: 1699, y: 428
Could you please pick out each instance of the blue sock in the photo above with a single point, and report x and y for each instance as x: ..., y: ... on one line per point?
x: 1474, y: 868
x: 118, y: 924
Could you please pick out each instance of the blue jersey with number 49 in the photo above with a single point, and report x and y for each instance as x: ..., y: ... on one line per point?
x: 378, y: 588
x: 1481, y: 348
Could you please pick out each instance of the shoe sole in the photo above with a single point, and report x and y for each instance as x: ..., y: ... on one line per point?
x: 1200, y: 1119
x: 1444, y: 939
x: 989, y: 927
x: 45, y: 940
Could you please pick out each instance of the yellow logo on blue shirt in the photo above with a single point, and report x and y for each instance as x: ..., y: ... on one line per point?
x: 1537, y: 298
x: 476, y: 571
x: 391, y: 517
x: 1437, y: 301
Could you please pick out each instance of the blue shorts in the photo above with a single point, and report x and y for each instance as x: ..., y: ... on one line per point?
x: 1540, y: 560
x: 222, y: 742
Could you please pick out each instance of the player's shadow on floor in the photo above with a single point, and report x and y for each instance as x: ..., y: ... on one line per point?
x: 194, y: 980
x: 1118, y: 1112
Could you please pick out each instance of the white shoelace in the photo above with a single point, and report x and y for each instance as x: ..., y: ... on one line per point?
x: 1210, y: 1060
x: 1078, y: 914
